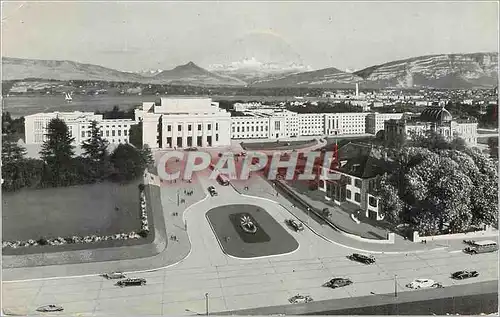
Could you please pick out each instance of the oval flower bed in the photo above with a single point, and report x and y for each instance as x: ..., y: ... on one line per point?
x: 143, y: 233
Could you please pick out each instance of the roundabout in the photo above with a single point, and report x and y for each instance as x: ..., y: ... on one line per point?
x: 249, y: 231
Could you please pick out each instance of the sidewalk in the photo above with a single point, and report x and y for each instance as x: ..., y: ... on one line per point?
x: 339, y: 217
x: 261, y: 188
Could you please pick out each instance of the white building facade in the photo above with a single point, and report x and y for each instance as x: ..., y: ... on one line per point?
x: 115, y: 131
x: 375, y: 121
x: 184, y: 122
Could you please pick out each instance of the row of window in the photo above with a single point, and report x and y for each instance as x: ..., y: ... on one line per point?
x: 249, y: 136
x: 253, y: 129
x: 190, y: 141
x: 89, y: 133
x: 248, y: 122
x: 190, y: 127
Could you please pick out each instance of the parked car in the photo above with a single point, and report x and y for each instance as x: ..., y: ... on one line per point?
x: 114, y: 275
x: 338, y: 282
x: 191, y: 149
x: 366, y: 259
x: 49, y: 308
x: 296, y: 225
x: 131, y: 282
x: 462, y: 275
x: 300, y: 299
x: 212, y: 191
x: 423, y: 283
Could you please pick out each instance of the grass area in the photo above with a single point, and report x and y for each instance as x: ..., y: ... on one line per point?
x: 279, y: 145
x: 100, y: 209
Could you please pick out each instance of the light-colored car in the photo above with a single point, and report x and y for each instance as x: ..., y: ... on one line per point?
x: 296, y: 225
x: 49, y: 308
x: 300, y: 299
x: 114, y: 275
x: 423, y: 283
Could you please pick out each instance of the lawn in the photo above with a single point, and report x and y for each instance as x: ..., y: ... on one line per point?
x: 270, y: 239
x: 100, y: 209
x: 279, y: 145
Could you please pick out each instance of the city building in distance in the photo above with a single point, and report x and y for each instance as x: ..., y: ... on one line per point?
x: 199, y: 122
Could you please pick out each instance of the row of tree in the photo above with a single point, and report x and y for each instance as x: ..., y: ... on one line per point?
x: 59, y: 166
x: 440, y: 187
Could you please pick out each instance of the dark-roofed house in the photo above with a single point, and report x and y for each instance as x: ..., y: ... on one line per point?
x: 436, y: 119
x: 361, y: 166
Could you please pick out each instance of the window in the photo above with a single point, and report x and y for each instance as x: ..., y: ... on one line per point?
x: 277, y: 125
x: 357, y: 183
x: 216, y: 138
x: 169, y: 128
x: 119, y: 132
x: 209, y: 127
x: 107, y: 133
x: 83, y: 134
x: 190, y: 127
x: 199, y: 127
x: 357, y: 197
x: 125, y: 132
x: 372, y: 201
x: 348, y: 194
x: 216, y: 127
x: 113, y: 133
x: 179, y: 127
x: 348, y: 180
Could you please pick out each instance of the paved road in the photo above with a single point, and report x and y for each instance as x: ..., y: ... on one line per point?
x: 235, y: 284
x: 472, y: 299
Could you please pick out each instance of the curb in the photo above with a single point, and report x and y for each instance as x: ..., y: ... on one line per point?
x: 342, y: 245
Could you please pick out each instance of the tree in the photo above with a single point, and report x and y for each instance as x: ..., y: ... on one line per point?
x: 57, y: 151
x: 11, y: 151
x: 493, y: 147
x: 96, y: 152
x: 135, y: 135
x: 147, y: 155
x: 95, y: 148
x: 440, y: 190
x: 128, y: 163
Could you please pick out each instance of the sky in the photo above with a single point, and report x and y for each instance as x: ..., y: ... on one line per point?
x: 134, y: 36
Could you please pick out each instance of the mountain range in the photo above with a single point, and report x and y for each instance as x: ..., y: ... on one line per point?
x: 439, y: 71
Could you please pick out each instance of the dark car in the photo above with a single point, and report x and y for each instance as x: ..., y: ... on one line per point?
x: 49, y: 308
x: 296, y: 225
x: 212, y: 191
x: 366, y: 259
x: 338, y: 282
x: 462, y: 275
x: 191, y: 149
x: 131, y: 282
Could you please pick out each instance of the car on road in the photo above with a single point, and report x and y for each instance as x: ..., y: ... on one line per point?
x: 212, y: 191
x: 366, y: 259
x: 423, y: 283
x: 114, y: 275
x: 131, y: 282
x: 462, y: 275
x: 49, y: 308
x: 300, y: 299
x: 296, y: 225
x: 191, y: 149
x: 338, y: 282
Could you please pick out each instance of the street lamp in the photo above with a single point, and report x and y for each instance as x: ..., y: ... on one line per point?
x: 395, y: 285
x: 206, y: 303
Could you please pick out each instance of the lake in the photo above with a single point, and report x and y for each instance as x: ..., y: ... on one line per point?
x: 25, y: 105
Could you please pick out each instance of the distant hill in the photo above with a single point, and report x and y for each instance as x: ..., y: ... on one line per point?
x: 438, y: 71
x: 18, y: 68
x: 474, y: 70
x: 192, y: 74
x: 323, y: 78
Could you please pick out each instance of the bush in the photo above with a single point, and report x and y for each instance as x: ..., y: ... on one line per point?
x: 141, y: 187
x: 42, y: 241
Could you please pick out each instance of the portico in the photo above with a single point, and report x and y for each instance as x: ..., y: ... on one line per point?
x: 185, y: 122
